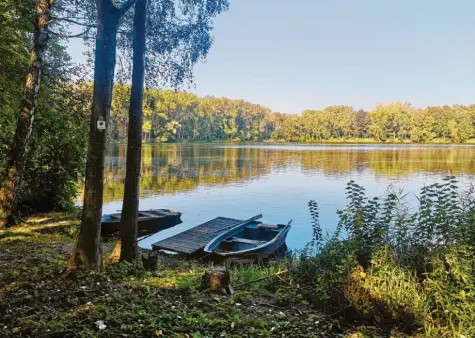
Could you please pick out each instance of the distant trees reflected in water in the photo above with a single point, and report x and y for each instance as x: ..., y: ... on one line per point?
x: 169, y: 168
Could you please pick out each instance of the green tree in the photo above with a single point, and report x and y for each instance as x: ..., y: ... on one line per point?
x: 178, y: 36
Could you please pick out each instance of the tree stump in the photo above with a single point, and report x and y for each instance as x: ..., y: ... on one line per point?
x: 150, y: 262
x: 217, y: 279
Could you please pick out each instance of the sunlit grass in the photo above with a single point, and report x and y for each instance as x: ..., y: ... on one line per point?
x: 45, y: 229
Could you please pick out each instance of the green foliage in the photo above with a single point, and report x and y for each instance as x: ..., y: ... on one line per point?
x: 58, y: 140
x: 125, y: 270
x: 171, y: 116
x: 397, y: 267
x: 387, y: 292
x: 15, y: 43
x: 57, y: 150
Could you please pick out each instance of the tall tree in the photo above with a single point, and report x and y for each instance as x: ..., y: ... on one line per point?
x: 88, y: 250
x: 16, y: 158
x: 179, y: 36
x: 130, y: 207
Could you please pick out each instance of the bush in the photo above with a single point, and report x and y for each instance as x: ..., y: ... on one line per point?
x: 397, y: 267
x: 387, y: 292
x: 57, y: 154
x: 58, y: 144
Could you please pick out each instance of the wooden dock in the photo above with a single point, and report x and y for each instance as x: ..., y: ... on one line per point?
x: 192, y: 241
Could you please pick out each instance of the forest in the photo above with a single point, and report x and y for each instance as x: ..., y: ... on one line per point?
x: 173, y: 116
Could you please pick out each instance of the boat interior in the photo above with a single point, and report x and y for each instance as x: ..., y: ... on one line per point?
x: 250, y: 236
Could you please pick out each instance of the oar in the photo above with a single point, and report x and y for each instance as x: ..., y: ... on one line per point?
x: 241, y: 223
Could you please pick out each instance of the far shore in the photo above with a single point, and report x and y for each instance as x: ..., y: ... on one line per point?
x: 330, y: 141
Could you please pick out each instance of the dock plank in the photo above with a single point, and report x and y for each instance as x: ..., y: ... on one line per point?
x: 195, y: 239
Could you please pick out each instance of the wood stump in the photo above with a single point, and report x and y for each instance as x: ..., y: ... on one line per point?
x: 150, y: 263
x: 217, y: 279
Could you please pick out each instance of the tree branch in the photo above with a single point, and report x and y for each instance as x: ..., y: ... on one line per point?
x: 73, y: 35
x: 125, y: 7
x: 74, y: 22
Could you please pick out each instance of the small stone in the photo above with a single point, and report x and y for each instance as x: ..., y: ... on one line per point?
x: 100, y: 325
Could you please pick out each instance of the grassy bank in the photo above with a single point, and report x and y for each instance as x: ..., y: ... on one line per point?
x: 38, y: 298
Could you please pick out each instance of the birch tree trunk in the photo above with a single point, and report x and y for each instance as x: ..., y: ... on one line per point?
x: 10, y: 189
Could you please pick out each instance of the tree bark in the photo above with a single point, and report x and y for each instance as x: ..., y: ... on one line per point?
x: 128, y: 221
x: 89, y: 252
x: 10, y: 188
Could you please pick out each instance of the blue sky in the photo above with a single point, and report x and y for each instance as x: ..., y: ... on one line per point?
x: 307, y: 54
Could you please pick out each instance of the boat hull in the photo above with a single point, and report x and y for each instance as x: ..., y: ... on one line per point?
x: 163, y: 219
x: 248, y: 242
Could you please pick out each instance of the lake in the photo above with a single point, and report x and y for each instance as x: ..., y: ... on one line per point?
x: 208, y: 180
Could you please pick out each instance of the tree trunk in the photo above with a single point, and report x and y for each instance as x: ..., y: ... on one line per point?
x: 89, y: 251
x: 128, y: 219
x: 10, y: 189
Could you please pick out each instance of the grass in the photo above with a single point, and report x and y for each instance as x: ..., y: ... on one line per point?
x: 39, y: 298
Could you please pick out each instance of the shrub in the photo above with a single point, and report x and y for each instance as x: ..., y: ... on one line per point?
x: 56, y: 158
x: 393, y: 266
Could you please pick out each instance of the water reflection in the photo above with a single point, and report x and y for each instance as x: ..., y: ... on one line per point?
x: 169, y: 168
x: 205, y: 181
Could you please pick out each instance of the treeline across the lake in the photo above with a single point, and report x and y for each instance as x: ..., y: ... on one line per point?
x: 171, y: 116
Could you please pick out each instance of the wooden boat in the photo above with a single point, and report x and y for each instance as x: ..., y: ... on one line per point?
x: 149, y: 221
x: 247, y: 239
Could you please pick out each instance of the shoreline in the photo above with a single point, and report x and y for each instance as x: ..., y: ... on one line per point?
x: 326, y: 142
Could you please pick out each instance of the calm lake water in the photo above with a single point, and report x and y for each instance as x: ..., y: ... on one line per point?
x: 205, y: 181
